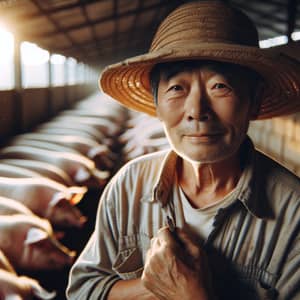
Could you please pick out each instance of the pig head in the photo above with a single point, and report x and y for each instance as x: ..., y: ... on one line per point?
x: 14, y: 287
x: 29, y: 244
x: 46, y: 198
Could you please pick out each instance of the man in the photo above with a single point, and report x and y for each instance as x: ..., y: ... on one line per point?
x: 212, y: 218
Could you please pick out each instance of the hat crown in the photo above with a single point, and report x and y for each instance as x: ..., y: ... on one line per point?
x: 205, y: 22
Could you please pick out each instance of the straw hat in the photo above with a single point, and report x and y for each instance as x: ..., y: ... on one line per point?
x: 207, y: 30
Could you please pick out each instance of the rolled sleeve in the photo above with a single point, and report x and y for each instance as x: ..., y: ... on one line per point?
x: 92, y: 276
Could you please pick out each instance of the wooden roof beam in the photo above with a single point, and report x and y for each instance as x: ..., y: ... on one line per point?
x: 88, y: 21
x: 116, y: 25
x: 101, y: 20
x: 29, y: 16
x: 58, y: 29
x: 102, y: 42
x: 134, y: 22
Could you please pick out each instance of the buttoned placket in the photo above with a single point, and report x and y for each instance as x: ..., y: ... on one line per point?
x: 220, y: 219
x: 161, y: 190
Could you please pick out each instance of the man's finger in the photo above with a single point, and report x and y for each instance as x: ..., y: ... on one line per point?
x: 169, y: 238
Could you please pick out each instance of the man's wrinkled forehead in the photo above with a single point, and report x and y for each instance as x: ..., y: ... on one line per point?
x: 168, y: 70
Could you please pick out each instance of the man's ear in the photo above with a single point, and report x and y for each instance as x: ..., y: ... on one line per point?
x: 257, y: 99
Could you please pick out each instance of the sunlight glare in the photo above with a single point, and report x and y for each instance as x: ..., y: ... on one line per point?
x: 32, y: 54
x: 275, y: 41
x: 296, y: 35
x: 57, y: 59
x: 6, y: 45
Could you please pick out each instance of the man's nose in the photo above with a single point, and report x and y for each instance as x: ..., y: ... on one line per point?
x: 197, y: 107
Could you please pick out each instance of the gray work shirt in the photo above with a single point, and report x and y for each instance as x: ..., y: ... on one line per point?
x: 253, y: 248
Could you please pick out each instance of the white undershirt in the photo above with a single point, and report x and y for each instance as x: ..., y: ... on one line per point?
x: 200, y: 220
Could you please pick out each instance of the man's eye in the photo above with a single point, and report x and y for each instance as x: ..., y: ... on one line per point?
x: 220, y: 86
x: 175, y: 88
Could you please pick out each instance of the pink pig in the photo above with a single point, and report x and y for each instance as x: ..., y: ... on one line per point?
x: 44, y: 169
x: 12, y: 207
x: 16, y: 287
x: 46, y: 198
x: 85, y: 129
x: 99, y: 153
x: 15, y: 171
x: 80, y: 168
x: 29, y: 244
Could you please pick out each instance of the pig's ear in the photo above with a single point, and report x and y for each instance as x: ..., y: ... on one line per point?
x: 61, y: 202
x: 76, y: 194
x: 101, y: 175
x: 40, y: 292
x: 98, y: 150
x: 82, y: 175
x: 56, y: 198
x: 77, y: 189
x: 35, y: 235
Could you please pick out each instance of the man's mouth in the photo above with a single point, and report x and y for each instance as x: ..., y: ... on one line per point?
x: 204, y: 136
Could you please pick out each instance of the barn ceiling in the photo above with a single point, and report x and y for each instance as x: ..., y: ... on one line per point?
x: 103, y: 31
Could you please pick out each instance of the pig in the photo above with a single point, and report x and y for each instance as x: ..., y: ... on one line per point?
x: 112, y: 116
x: 142, y: 127
x: 86, y: 108
x: 145, y: 135
x: 135, y: 149
x: 13, y: 286
x: 10, y: 206
x: 29, y: 244
x: 90, y: 130
x: 107, y: 107
x: 68, y: 131
x: 81, y: 144
x: 81, y: 169
x: 5, y: 264
x: 43, y: 145
x: 15, y: 171
x: 105, y: 126
x: 99, y: 153
x: 44, y: 169
x: 47, y: 199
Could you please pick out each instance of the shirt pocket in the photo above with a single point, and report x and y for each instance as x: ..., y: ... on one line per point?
x: 129, y: 263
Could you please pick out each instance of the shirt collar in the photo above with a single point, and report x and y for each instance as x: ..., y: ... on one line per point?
x: 165, y: 178
x: 252, y: 184
x: 249, y: 186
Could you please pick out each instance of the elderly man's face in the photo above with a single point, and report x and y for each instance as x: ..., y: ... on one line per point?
x: 205, y: 112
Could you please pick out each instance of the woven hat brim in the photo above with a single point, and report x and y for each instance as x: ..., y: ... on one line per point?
x: 128, y: 81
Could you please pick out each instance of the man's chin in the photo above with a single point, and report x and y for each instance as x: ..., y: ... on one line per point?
x: 208, y: 158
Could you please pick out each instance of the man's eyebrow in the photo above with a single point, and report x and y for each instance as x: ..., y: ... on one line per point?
x: 169, y: 74
x: 173, y: 70
x: 170, y: 69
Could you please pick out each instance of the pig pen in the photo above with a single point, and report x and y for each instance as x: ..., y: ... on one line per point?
x: 74, y: 239
x: 53, y: 176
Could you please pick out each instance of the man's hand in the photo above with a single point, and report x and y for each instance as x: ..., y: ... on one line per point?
x: 176, y: 270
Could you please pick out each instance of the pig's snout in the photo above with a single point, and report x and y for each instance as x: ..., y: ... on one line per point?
x: 62, y: 259
x: 82, y: 220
